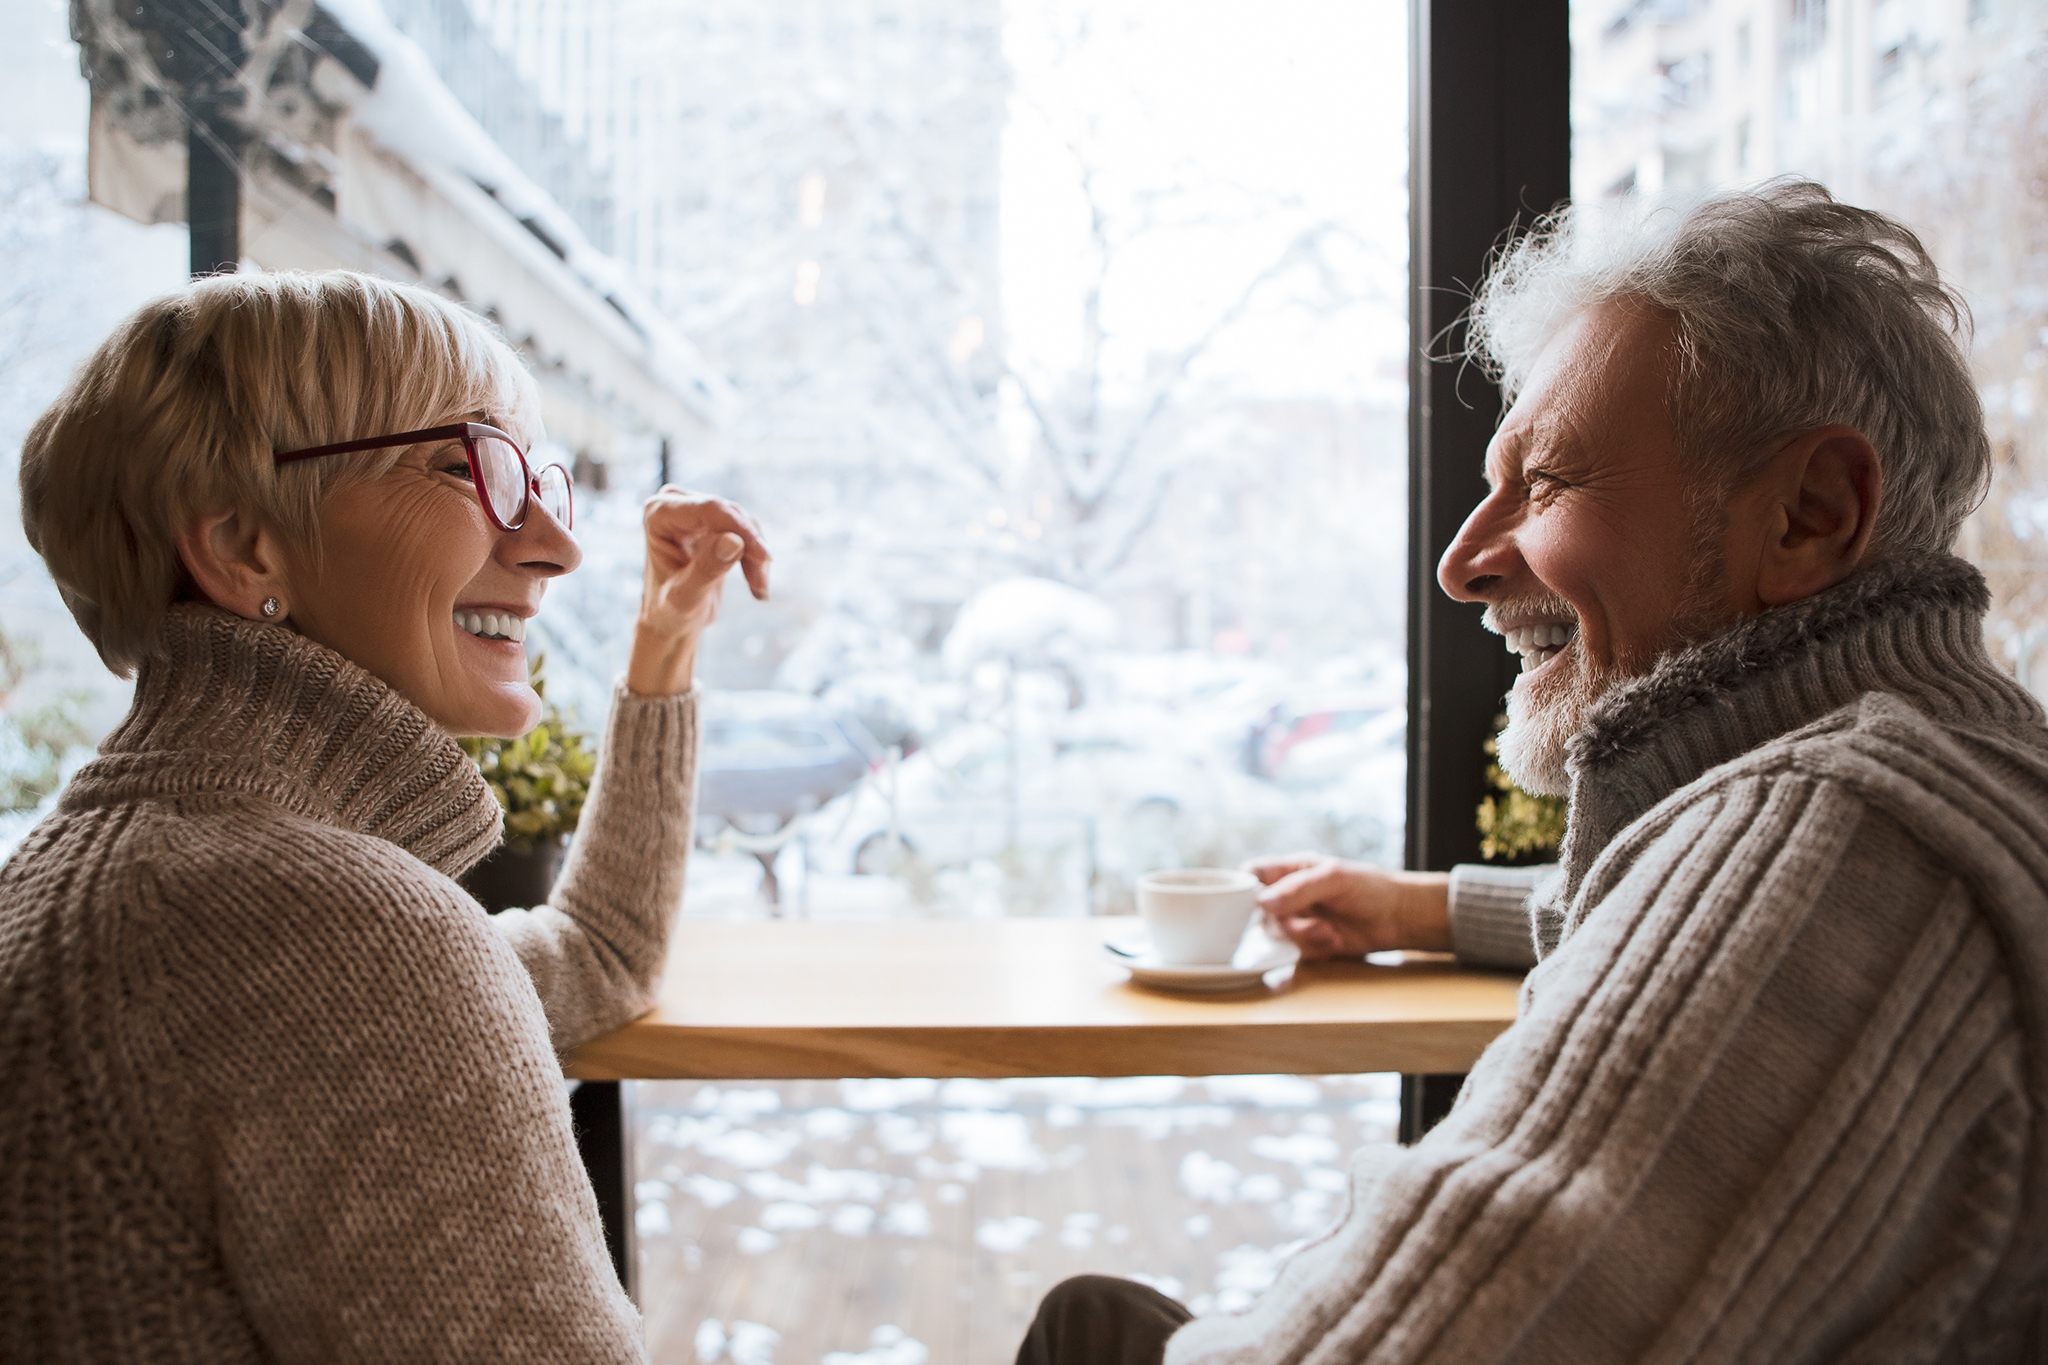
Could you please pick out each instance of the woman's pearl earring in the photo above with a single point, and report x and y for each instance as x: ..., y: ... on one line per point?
x: 271, y: 607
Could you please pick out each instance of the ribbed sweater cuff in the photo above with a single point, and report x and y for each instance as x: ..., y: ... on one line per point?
x: 1489, y: 910
x: 639, y: 720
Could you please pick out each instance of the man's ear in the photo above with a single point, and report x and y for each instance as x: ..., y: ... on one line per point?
x: 1825, y: 488
x: 235, y: 563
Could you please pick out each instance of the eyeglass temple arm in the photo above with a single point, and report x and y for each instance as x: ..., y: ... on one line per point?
x: 404, y: 438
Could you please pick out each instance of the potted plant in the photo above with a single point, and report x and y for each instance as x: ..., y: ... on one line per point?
x: 541, y: 779
x: 1514, y: 826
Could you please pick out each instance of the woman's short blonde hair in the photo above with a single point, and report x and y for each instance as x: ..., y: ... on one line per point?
x: 182, y: 409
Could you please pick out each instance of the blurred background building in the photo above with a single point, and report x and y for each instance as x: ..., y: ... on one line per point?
x: 338, y: 137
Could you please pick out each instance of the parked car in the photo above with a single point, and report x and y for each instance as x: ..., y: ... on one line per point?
x: 768, y: 757
x: 1316, y: 737
x: 1123, y: 779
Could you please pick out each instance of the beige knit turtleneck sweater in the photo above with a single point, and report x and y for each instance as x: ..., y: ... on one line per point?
x: 1777, y: 1089
x: 275, y: 1087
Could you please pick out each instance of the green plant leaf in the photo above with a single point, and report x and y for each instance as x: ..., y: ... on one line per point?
x: 1513, y: 824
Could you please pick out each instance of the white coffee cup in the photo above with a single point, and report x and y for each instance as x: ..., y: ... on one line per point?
x: 1197, y: 915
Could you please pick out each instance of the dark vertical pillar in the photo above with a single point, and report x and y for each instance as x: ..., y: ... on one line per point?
x: 1425, y: 1100
x: 200, y: 47
x: 213, y: 191
x: 1490, y: 145
x: 598, y: 1111
x: 661, y: 473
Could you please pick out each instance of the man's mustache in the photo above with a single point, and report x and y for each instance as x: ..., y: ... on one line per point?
x: 1545, y: 607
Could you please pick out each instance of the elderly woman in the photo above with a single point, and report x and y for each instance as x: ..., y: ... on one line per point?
x: 277, y: 1089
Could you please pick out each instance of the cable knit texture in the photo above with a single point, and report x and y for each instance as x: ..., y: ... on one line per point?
x: 1776, y: 1089
x: 276, y: 1088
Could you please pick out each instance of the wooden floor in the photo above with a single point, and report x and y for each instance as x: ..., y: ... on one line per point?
x: 918, y: 1222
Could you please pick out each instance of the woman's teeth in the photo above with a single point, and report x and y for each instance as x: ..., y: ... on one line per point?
x: 492, y: 625
x: 1539, y: 644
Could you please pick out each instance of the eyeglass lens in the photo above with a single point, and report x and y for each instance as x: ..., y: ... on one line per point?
x: 504, y: 478
x: 554, y: 495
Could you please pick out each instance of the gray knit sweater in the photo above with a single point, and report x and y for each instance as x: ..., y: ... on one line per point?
x: 1777, y: 1088
x: 275, y: 1087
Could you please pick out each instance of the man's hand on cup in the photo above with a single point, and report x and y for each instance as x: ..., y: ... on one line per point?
x: 1333, y: 908
x: 693, y: 541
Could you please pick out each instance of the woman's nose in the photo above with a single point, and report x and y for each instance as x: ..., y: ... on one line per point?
x: 1480, y: 555
x: 540, y: 546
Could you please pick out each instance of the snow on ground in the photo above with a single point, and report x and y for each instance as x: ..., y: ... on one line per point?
x: 888, y: 1222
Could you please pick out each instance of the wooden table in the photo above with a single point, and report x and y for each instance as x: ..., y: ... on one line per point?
x: 778, y: 1000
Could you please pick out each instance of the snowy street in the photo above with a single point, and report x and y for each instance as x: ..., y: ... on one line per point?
x: 900, y: 1222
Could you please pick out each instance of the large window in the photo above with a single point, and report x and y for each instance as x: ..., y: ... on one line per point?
x: 1070, y: 347
x: 1934, y: 111
x: 1061, y: 348
x: 1067, y: 350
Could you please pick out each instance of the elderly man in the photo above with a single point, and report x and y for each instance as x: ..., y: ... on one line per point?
x: 1777, y: 1087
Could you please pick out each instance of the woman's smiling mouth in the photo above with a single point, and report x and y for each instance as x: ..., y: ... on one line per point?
x: 492, y: 625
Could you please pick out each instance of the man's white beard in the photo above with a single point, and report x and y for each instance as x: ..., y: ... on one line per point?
x: 1540, y: 728
x: 1542, y: 720
x: 1543, y: 716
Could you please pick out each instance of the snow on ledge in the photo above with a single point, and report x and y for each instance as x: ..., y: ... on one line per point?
x: 417, y: 117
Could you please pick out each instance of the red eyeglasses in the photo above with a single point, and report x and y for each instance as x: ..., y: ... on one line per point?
x: 505, y: 484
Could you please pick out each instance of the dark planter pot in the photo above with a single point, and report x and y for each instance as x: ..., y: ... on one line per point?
x: 516, y: 880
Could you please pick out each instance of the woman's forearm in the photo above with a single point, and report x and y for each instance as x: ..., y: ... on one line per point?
x: 662, y: 664
x: 595, y: 952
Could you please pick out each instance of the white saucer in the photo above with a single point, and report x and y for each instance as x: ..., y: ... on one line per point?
x: 1256, y: 956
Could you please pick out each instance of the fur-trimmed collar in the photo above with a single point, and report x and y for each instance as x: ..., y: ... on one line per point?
x: 1764, y: 644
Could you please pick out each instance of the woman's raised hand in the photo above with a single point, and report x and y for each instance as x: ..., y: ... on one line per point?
x: 693, y: 540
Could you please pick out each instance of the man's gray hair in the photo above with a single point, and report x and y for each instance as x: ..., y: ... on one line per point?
x: 1794, y: 312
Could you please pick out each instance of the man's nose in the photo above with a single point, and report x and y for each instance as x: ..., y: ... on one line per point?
x: 1480, y: 556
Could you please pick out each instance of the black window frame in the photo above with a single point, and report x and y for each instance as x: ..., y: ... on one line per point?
x: 1489, y: 132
